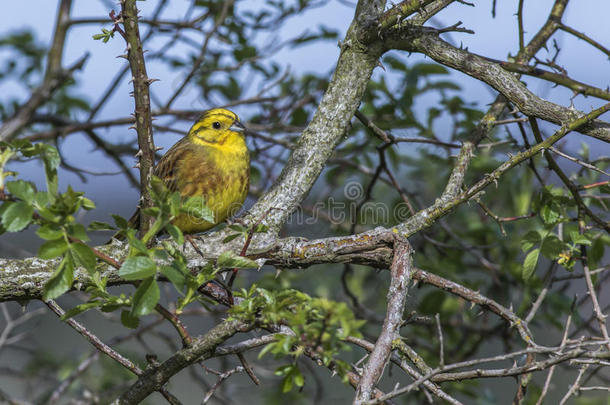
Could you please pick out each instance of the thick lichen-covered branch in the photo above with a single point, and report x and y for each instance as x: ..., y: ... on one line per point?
x: 202, y: 348
x: 401, y: 269
x: 328, y: 126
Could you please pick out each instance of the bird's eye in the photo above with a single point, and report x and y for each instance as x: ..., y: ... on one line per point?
x: 216, y: 125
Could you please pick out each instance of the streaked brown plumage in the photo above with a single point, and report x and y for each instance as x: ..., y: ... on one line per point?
x: 211, y: 161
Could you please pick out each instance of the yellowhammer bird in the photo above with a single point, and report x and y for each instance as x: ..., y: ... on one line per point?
x: 211, y: 161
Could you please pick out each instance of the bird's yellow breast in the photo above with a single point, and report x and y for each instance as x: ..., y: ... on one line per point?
x: 220, y: 173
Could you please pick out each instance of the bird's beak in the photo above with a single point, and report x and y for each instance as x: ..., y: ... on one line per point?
x: 237, y: 127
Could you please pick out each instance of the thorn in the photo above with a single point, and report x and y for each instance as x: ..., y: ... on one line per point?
x: 278, y: 272
x: 138, y: 154
x: 137, y: 165
x: 158, y: 148
x: 149, y: 81
x: 124, y: 56
x: 132, y: 127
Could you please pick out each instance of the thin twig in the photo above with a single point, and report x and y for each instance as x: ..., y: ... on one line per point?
x: 94, y: 340
x: 441, y: 360
x: 221, y: 378
x: 547, y: 382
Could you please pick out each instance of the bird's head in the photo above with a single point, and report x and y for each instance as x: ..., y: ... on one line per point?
x: 217, y: 127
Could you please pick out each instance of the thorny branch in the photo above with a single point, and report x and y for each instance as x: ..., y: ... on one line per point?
x: 141, y: 95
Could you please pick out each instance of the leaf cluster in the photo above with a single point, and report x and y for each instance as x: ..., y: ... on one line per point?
x: 320, y: 326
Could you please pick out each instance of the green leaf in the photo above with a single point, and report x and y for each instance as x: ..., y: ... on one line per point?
x: 111, y: 306
x: 552, y: 246
x: 22, y: 190
x: 529, y: 264
x: 298, y: 378
x: 146, y: 297
x: 17, y: 216
x: 136, y: 243
x: 597, y: 251
x: 430, y: 68
x: 287, y: 384
x: 41, y: 198
x: 579, y: 239
x: 230, y: 259
x: 84, y: 256
x: 158, y: 188
x: 100, y: 226
x: 175, y: 233
x: 61, y: 280
x: 173, y: 274
x: 120, y: 221
x: 137, y: 268
x: 196, y: 207
x: 80, y: 309
x: 78, y: 231
x: 152, y: 211
x: 550, y: 213
x: 261, y: 228
x: 129, y: 320
x: 51, y: 160
x: 231, y: 237
x: 49, y: 215
x: 87, y: 203
x: 50, y: 232
x: 531, y: 239
x: 238, y: 228
x: 52, y: 248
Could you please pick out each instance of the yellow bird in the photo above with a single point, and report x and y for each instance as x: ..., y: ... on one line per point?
x: 211, y: 161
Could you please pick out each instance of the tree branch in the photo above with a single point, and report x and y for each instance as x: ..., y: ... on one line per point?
x: 329, y: 124
x: 202, y: 348
x: 397, y: 296
x: 54, y: 77
x: 141, y: 82
x: 494, y: 75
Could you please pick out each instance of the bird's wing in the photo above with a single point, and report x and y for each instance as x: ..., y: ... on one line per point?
x: 169, y: 166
